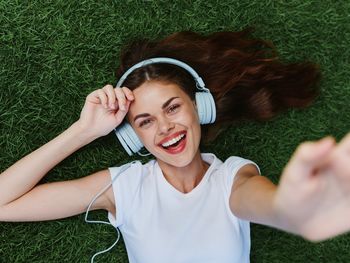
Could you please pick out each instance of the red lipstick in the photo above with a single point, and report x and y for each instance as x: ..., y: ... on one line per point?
x: 178, y: 147
x: 170, y: 137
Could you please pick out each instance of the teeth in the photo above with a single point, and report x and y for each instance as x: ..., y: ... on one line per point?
x: 173, y: 141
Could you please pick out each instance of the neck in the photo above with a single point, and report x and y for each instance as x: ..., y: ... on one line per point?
x: 186, y: 178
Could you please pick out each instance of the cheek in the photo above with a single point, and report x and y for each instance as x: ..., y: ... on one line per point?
x: 146, y: 136
x: 192, y: 121
x: 196, y: 125
x: 197, y: 132
x: 190, y: 117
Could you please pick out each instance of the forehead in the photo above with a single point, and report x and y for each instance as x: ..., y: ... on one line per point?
x: 156, y: 88
x: 152, y: 94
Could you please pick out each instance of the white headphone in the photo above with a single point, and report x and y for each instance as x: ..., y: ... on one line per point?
x: 204, y: 101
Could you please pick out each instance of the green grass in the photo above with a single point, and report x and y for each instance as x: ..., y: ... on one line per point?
x: 53, y: 53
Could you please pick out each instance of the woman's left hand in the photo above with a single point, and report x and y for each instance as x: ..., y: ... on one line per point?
x: 313, y: 196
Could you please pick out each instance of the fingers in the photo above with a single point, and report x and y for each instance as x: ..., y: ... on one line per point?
x: 310, y: 157
x: 341, y: 158
x: 312, y: 153
x: 112, y: 98
x: 119, y: 93
x: 323, y: 155
x: 128, y: 93
x: 109, y: 91
x: 120, y: 114
x: 103, y: 98
x: 344, y: 145
x: 124, y: 96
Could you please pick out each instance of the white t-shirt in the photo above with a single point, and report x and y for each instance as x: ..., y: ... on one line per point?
x: 160, y: 224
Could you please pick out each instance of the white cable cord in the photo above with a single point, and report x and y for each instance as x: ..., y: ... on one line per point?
x: 106, y: 250
x: 122, y: 169
x: 143, y: 154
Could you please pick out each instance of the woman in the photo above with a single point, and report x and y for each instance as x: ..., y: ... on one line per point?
x: 196, y: 208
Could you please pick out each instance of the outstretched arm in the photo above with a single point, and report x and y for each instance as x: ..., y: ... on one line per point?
x: 312, y: 198
x: 27, y: 172
x: 60, y: 199
x: 21, y: 200
x: 252, y: 197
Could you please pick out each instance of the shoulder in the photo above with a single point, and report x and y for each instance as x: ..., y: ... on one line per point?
x: 127, y: 182
x: 236, y: 164
x: 240, y: 169
x: 130, y: 170
x: 232, y: 165
x: 237, y: 169
x: 128, y: 178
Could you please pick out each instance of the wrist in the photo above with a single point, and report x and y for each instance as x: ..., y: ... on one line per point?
x: 82, y: 133
x: 284, y: 218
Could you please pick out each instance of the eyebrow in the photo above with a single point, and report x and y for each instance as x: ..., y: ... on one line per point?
x: 165, y: 104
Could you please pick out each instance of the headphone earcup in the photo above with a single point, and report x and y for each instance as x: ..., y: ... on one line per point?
x: 128, y: 138
x: 211, y: 107
x: 205, y: 107
x: 200, y: 107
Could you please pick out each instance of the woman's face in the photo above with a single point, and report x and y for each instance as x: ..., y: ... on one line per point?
x: 166, y: 121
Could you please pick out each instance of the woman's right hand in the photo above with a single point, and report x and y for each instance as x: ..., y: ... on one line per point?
x: 313, y: 195
x: 104, y: 110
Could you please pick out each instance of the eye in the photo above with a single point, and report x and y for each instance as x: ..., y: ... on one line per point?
x: 145, y: 123
x: 173, y: 108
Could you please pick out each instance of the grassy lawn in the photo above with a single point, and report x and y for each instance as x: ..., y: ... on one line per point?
x: 54, y: 53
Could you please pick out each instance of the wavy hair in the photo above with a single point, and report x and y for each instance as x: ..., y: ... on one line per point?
x: 244, y: 74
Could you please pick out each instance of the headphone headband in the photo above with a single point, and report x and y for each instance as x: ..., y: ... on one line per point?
x: 197, y: 78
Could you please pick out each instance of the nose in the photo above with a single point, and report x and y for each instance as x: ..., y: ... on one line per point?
x: 165, y: 125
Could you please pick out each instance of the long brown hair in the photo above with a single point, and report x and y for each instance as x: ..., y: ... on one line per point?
x: 244, y: 74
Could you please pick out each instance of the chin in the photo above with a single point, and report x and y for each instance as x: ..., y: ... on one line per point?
x: 178, y: 160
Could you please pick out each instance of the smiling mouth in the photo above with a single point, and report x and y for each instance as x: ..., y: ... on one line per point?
x: 174, y: 144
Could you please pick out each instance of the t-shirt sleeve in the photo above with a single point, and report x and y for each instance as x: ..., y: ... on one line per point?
x: 125, y: 183
x: 232, y: 165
